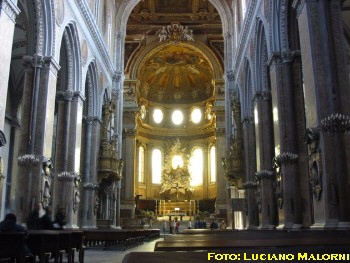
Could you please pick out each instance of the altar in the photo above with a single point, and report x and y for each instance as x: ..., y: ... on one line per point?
x: 177, y: 208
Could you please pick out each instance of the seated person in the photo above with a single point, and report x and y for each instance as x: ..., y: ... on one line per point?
x: 10, y: 224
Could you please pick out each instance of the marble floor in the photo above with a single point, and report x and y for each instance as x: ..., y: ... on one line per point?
x: 116, y: 256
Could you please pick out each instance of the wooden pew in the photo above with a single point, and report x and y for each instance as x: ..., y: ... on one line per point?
x: 43, y: 243
x: 105, y: 238
x: 12, y: 246
x: 78, y: 244
x: 212, y: 244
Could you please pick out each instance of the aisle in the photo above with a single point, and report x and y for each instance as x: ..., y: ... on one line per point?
x: 103, y: 256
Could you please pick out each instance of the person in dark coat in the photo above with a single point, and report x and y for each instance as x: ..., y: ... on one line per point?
x: 33, y: 221
x: 45, y: 220
x: 10, y: 224
x: 60, y: 219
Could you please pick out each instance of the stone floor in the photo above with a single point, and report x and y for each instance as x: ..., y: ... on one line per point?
x: 116, y: 256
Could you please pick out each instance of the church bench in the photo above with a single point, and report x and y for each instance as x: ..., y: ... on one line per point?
x: 12, y: 246
x: 257, y: 234
x: 109, y: 238
x: 43, y: 243
x: 243, y: 252
x: 219, y: 244
x: 78, y: 244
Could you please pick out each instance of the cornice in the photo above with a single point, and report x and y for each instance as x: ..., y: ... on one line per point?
x: 95, y: 34
x: 247, y: 25
x: 10, y: 9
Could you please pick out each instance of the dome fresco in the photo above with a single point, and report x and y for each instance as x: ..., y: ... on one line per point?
x: 176, y: 74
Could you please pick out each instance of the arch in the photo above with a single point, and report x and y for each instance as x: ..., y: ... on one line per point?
x: 212, y: 58
x: 91, y: 91
x: 126, y: 8
x: 261, y: 58
x: 247, y: 109
x: 70, y: 41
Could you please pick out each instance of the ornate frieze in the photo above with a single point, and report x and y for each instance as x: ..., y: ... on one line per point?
x: 175, y: 33
x: 10, y: 9
x: 336, y: 123
x: 29, y: 160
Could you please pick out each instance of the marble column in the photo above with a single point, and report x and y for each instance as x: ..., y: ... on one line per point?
x: 327, y: 97
x: 266, y: 175
x: 250, y: 170
x: 289, y: 112
x: 66, y: 177
x: 8, y: 13
x: 89, y: 184
x: 221, y: 201
x: 36, y: 129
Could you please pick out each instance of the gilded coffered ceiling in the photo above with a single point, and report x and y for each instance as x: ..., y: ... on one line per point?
x: 199, y: 14
x: 176, y: 74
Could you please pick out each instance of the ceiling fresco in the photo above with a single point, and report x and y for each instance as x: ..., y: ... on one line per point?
x: 176, y: 74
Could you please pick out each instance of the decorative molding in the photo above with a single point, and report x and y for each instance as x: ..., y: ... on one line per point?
x: 29, y: 160
x: 95, y: 33
x: 336, y: 123
x: 248, y: 22
x: 286, y: 158
x: 265, y: 174
x: 250, y: 185
x: 10, y: 9
x: 298, y: 5
x: 66, y: 176
x: 2, y: 139
x: 66, y: 95
x: 91, y: 186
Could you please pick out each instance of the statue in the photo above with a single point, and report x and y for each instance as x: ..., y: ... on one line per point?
x: 76, y: 193
x: 46, y: 182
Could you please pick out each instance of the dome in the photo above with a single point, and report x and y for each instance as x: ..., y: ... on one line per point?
x: 176, y: 74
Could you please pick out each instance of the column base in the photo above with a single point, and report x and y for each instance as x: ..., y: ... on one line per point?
x: 318, y: 226
x: 253, y: 228
x: 343, y: 225
x: 331, y: 224
x: 268, y: 227
x: 88, y: 227
x: 71, y: 227
x: 293, y: 227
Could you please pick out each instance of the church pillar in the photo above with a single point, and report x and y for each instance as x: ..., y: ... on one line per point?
x: 65, y: 176
x: 36, y: 130
x: 117, y: 95
x: 327, y: 97
x: 250, y: 170
x: 291, y: 161
x: 8, y: 13
x: 265, y: 175
x: 221, y: 201
x: 89, y: 182
x: 129, y: 146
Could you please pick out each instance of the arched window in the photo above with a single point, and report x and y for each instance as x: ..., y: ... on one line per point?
x: 156, y: 166
x: 196, y: 167
x: 213, y: 164
x: 141, y: 164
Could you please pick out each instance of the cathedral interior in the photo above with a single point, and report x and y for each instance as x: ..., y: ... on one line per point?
x: 129, y: 115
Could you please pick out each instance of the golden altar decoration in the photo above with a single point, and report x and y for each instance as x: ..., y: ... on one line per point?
x: 176, y: 181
